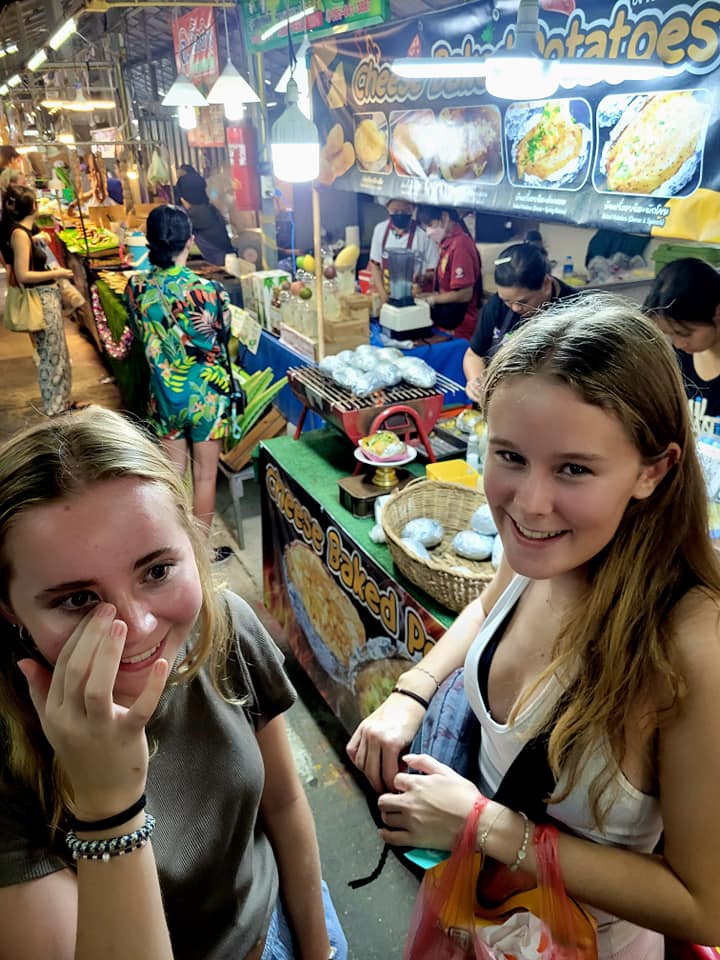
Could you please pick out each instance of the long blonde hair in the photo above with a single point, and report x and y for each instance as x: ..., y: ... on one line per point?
x: 49, y: 462
x: 616, y: 641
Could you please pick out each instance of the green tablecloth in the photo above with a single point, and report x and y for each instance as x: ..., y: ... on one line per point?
x: 317, y: 461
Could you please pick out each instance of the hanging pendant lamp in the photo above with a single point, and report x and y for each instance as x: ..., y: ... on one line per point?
x: 294, y: 142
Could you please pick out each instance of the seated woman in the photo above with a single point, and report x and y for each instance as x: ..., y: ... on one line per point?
x: 209, y: 227
x: 524, y: 286
x: 684, y: 300
x: 457, y: 285
x: 181, y: 320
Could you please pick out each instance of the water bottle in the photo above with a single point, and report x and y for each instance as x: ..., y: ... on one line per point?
x: 568, y: 266
x: 473, y: 451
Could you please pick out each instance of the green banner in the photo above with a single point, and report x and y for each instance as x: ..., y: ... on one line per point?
x: 266, y: 21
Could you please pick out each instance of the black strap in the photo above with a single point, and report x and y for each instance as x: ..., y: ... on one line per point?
x: 237, y: 397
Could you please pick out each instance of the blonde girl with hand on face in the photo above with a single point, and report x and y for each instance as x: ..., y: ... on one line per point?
x: 150, y: 806
x: 602, y: 629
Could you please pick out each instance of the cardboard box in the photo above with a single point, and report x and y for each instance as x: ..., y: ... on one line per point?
x: 263, y: 282
x: 271, y: 425
x: 356, y: 307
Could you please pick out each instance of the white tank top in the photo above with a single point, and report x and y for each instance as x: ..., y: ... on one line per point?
x: 633, y: 821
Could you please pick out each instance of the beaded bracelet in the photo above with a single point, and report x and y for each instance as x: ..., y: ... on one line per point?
x: 112, y: 846
x: 522, y: 852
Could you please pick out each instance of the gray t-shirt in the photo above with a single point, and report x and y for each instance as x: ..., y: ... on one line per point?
x: 216, y: 867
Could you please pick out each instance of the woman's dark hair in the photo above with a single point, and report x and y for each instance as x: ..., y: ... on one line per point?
x: 188, y: 168
x: 168, y: 230
x: 686, y: 291
x: 426, y: 214
x: 7, y: 154
x: 522, y: 265
x: 18, y: 202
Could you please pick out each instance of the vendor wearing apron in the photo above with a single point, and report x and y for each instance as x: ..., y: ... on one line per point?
x: 399, y: 232
x: 524, y: 287
x: 457, y: 287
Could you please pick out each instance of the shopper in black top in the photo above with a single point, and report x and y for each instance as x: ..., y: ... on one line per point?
x: 524, y: 286
x: 684, y: 300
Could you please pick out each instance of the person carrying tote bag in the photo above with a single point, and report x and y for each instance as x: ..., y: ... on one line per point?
x: 33, y: 301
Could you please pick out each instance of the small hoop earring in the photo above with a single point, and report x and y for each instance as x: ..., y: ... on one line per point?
x: 23, y: 635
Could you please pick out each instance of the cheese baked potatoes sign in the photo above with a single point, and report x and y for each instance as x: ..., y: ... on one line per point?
x: 640, y: 156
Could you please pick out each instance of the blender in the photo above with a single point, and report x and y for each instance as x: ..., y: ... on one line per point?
x: 402, y: 316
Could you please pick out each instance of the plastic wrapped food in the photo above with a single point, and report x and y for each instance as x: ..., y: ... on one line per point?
x: 482, y: 521
x: 383, y: 446
x: 390, y: 353
x: 389, y: 373
x: 416, y: 372
x: 429, y: 532
x: 415, y: 547
x: 368, y: 382
x: 472, y: 545
x: 345, y: 375
x: 329, y: 365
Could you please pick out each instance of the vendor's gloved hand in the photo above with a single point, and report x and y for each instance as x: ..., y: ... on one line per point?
x: 381, y: 738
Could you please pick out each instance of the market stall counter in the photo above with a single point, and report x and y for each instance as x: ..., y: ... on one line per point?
x: 353, y: 622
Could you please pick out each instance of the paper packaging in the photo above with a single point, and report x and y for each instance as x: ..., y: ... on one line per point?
x: 257, y: 293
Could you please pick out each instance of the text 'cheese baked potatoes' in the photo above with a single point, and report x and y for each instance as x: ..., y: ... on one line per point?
x: 550, y: 144
x: 655, y: 143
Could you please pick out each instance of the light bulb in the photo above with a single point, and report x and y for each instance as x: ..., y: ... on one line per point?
x: 295, y: 162
x: 234, y: 111
x: 517, y: 77
x: 187, y: 118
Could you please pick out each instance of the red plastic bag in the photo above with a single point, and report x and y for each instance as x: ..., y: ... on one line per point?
x: 516, y: 918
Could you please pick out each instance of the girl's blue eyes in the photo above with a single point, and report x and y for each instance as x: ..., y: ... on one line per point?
x: 84, y: 599
x: 568, y: 469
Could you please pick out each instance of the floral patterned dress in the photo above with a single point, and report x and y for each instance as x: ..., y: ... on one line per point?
x: 177, y: 316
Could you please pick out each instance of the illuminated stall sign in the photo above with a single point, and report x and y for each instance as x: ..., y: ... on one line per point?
x: 266, y: 20
x: 638, y: 156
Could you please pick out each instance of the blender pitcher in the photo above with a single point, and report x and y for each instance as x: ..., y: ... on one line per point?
x: 401, y: 268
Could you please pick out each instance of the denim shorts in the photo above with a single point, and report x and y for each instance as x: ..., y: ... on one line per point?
x: 279, y: 940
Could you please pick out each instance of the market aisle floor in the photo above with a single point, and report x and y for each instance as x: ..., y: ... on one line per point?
x: 375, y: 918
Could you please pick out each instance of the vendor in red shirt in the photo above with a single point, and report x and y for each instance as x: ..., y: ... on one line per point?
x: 458, y: 279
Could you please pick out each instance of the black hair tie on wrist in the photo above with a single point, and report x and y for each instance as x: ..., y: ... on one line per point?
x: 109, y: 822
x: 413, y: 696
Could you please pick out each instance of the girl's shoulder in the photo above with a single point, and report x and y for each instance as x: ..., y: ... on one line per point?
x: 696, y: 635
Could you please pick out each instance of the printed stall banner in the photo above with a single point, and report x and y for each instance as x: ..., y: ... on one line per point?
x: 353, y: 628
x: 196, y: 56
x: 641, y: 157
x: 266, y: 21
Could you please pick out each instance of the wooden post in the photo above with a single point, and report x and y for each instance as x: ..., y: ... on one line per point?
x: 319, y: 304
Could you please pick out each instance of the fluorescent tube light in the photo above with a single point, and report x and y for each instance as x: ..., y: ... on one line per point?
x: 271, y: 31
x: 63, y: 34
x: 15, y: 80
x: 37, y: 59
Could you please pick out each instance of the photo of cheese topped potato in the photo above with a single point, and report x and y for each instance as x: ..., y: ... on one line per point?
x: 471, y: 143
x: 649, y: 145
x: 371, y: 141
x: 550, y: 144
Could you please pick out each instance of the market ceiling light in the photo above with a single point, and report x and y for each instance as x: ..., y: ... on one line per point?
x: 231, y: 89
x: 11, y: 48
x: 183, y: 93
x: 37, y: 59
x: 15, y: 80
x: 294, y: 142
x: 521, y: 73
x: 4, y: 90
x: 271, y: 31
x: 187, y: 117
x: 79, y: 103
x: 63, y: 34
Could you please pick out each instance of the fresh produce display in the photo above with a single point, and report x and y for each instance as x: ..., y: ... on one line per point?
x: 259, y: 391
x: 93, y: 240
x: 116, y: 280
x: 348, y: 257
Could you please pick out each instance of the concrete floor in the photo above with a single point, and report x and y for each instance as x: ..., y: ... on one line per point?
x: 375, y: 918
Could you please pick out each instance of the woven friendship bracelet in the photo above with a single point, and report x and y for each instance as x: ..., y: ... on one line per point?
x: 112, y: 846
x: 109, y: 822
x: 413, y: 696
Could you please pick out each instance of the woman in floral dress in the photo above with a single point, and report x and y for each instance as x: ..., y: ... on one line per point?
x: 181, y: 320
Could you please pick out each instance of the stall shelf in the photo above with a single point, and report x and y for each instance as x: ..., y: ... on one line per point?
x: 352, y: 620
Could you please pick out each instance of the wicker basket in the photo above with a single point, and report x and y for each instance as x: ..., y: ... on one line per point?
x: 452, y: 504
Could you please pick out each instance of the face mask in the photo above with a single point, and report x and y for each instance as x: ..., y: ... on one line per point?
x: 435, y: 233
x: 400, y: 220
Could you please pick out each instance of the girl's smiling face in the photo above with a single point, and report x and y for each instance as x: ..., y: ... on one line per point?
x: 559, y: 475
x: 120, y: 542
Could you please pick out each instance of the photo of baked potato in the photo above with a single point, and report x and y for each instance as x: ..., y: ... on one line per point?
x: 549, y: 144
x: 325, y: 614
x: 471, y: 143
x: 371, y: 142
x: 413, y: 142
x: 655, y: 142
